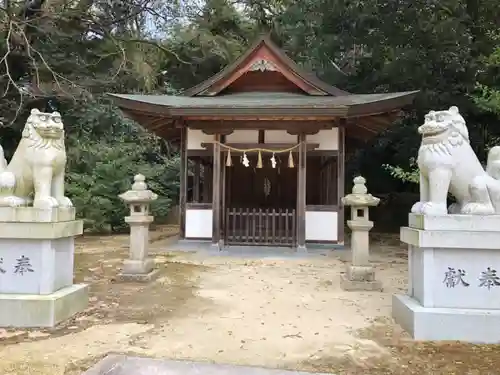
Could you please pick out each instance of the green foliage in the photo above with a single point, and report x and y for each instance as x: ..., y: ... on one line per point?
x: 214, y: 37
x: 441, y: 48
x: 105, y: 151
x: 80, y: 49
x: 487, y: 97
x: 411, y: 176
x: 65, y: 58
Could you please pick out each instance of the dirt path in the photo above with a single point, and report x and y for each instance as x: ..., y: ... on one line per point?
x: 273, y: 313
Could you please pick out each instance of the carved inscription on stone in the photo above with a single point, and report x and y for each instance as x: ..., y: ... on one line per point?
x: 489, y: 278
x: 23, y: 265
x: 454, y: 277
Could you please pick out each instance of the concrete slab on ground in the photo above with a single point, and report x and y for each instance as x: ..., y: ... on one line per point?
x: 275, y: 252
x: 124, y: 365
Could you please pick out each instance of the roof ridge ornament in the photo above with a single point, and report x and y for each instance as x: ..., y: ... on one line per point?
x: 263, y: 65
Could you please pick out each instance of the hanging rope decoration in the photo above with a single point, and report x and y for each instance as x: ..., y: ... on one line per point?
x: 259, y: 160
x: 290, y: 161
x: 246, y: 162
x: 273, y: 161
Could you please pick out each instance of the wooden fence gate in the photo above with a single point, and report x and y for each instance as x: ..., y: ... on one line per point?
x: 274, y: 227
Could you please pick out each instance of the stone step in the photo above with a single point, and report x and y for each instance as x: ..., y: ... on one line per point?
x: 125, y: 365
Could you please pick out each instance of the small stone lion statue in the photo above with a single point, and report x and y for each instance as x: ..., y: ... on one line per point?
x: 36, y: 172
x: 447, y: 163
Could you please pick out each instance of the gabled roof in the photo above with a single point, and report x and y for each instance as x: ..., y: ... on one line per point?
x: 219, y: 98
x: 374, y: 112
x: 282, y: 104
x: 264, y: 54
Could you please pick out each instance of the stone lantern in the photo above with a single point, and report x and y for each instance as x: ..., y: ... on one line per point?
x: 138, y: 267
x: 360, y: 275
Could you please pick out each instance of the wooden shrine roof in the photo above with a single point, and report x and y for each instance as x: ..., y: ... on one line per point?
x: 263, y: 103
x: 264, y: 49
x: 286, y: 92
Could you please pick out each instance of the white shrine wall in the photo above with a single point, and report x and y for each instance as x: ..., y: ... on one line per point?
x: 243, y: 136
x: 198, y: 223
x: 321, y: 226
x: 328, y: 139
x: 279, y: 136
x: 196, y: 137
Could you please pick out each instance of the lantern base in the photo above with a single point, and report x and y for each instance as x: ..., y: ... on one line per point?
x: 139, y: 278
x: 360, y: 278
x: 359, y: 285
x: 138, y: 270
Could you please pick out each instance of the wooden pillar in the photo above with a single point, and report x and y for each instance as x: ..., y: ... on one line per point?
x: 223, y: 200
x: 205, y: 190
x: 196, y: 182
x: 183, y: 183
x: 301, y: 194
x: 341, y: 184
x: 210, y: 180
x: 216, y: 190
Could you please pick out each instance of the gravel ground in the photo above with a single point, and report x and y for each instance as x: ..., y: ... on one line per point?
x: 278, y: 313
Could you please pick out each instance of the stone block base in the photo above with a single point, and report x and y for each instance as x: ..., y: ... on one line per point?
x: 443, y: 324
x: 35, y: 266
x: 40, y: 230
x: 132, y: 266
x: 139, y: 277
x: 36, y: 215
x: 301, y: 249
x: 359, y: 285
x: 360, y: 273
x: 36, y: 311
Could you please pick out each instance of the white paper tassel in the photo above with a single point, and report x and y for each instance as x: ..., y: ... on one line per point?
x: 245, y: 161
x: 273, y: 161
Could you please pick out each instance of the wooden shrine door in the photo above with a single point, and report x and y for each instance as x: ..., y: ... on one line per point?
x: 260, y: 205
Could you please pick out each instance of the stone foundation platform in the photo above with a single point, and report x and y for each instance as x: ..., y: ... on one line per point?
x: 454, y: 278
x: 436, y: 324
x: 37, y: 250
x: 37, y: 311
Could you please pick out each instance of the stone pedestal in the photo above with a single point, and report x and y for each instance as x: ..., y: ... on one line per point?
x: 36, y: 267
x: 360, y: 275
x: 454, y: 281
x: 138, y: 267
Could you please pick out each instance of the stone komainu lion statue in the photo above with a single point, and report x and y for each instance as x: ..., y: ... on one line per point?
x: 36, y: 172
x: 447, y: 163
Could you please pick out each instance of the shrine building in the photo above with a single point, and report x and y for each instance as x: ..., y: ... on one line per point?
x: 262, y: 147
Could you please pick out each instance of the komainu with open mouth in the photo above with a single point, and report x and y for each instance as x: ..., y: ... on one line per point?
x: 447, y: 163
x: 36, y: 172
